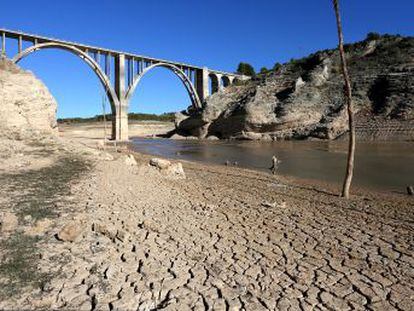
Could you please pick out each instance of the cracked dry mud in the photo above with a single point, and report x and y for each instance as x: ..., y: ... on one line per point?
x: 224, y: 239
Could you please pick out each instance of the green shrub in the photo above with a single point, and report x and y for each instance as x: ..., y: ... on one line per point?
x: 277, y: 66
x: 264, y: 70
x: 373, y: 36
x: 246, y: 69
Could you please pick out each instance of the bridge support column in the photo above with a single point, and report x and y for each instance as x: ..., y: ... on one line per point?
x: 3, y: 44
x: 202, y: 84
x: 220, y: 85
x: 120, y: 122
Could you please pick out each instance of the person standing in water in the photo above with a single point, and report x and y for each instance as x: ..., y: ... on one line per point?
x: 275, y: 165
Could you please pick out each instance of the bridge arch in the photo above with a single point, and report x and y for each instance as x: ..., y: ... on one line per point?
x: 225, y: 81
x: 214, y: 83
x: 178, y: 72
x: 113, y: 99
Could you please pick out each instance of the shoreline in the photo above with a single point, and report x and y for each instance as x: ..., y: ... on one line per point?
x: 322, y: 181
x: 330, y: 188
x: 148, y: 130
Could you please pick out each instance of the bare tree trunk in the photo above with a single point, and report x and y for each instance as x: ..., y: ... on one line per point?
x: 348, y: 99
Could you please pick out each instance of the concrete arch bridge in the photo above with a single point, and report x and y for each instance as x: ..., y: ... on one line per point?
x: 120, y: 72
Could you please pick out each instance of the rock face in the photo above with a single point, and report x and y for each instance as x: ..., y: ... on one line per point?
x: 303, y: 98
x: 27, y: 109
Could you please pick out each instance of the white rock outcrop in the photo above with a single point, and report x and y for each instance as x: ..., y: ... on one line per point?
x: 27, y: 109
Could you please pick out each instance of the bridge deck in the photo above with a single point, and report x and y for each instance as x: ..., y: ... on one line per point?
x: 94, y: 49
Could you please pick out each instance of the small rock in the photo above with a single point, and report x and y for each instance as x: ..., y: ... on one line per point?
x: 107, y: 156
x: 160, y: 163
x: 176, y: 136
x: 122, y: 235
x: 130, y: 160
x: 175, y: 171
x: 212, y: 137
x: 8, y: 222
x: 110, y: 272
x: 39, y: 228
x: 70, y: 232
x: 274, y: 204
x: 102, y: 229
x: 267, y: 204
x: 150, y: 225
x: 410, y: 190
x: 100, y: 145
x: 168, y: 169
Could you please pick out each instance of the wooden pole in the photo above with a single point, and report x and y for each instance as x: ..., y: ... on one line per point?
x: 348, y: 99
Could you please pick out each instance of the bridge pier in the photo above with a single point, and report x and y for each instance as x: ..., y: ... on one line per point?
x: 120, y: 122
x: 201, y: 83
x: 3, y: 44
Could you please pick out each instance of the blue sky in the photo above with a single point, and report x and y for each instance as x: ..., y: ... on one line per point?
x: 215, y: 33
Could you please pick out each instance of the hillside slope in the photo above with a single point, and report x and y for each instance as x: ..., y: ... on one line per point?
x: 304, y: 99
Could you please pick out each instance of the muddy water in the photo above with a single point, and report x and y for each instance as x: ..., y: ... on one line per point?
x: 379, y: 165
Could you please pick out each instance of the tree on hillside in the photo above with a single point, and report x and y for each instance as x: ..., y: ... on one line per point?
x: 263, y: 70
x: 373, y: 36
x: 277, y: 66
x: 348, y: 100
x: 246, y: 69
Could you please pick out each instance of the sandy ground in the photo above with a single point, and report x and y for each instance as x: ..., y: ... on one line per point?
x: 96, y: 130
x: 223, y: 238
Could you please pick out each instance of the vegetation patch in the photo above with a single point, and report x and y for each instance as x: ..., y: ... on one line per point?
x: 38, y: 194
x: 18, y: 267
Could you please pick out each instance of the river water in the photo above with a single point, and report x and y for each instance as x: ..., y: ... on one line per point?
x: 378, y: 165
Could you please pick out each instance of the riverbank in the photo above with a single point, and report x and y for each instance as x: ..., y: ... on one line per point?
x: 115, y: 235
x: 379, y: 166
x: 96, y: 130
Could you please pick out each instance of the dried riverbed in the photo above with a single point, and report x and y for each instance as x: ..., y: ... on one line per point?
x: 223, y: 238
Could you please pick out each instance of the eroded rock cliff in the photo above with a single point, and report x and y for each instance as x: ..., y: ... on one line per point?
x: 304, y: 98
x: 27, y: 109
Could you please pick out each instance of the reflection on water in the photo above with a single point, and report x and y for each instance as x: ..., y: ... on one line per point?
x: 381, y: 165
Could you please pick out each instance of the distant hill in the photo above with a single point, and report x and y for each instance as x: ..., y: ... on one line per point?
x: 165, y: 117
x: 303, y: 98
